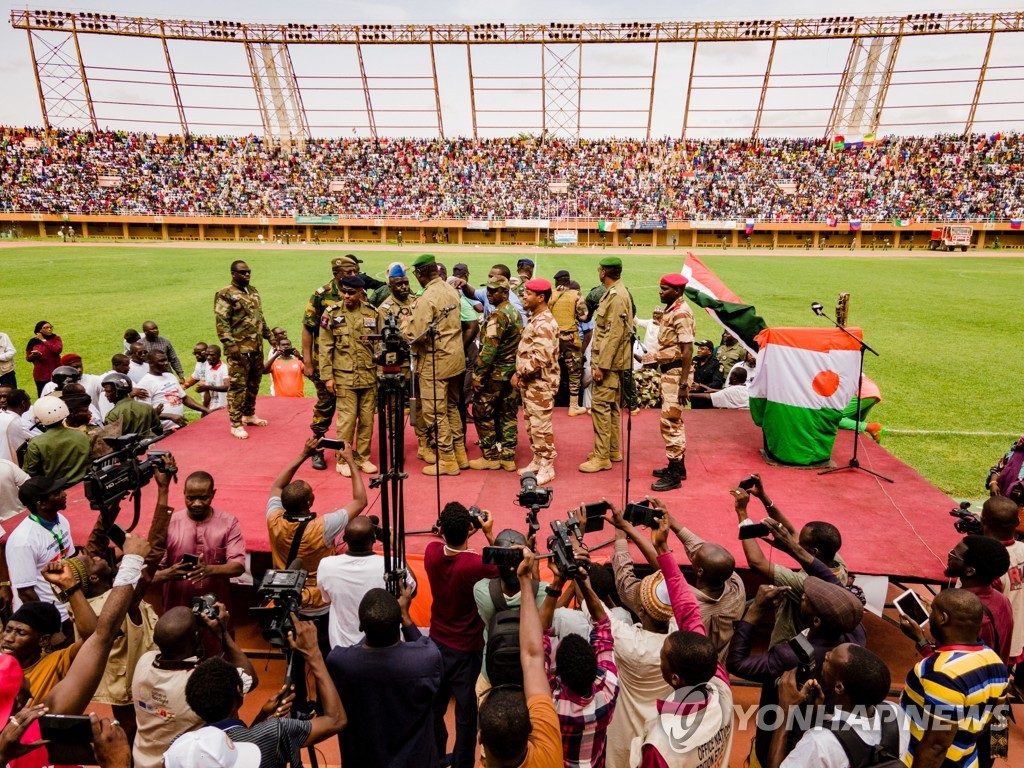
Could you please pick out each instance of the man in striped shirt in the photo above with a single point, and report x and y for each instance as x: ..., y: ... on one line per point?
x: 950, y: 696
x: 585, y: 682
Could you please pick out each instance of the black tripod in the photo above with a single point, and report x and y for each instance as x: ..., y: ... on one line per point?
x: 854, y: 463
x: 634, y: 340
x: 391, y: 391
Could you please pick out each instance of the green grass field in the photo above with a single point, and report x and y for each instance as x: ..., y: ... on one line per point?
x: 937, y: 322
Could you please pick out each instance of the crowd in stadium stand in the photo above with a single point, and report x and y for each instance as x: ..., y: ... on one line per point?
x: 938, y: 178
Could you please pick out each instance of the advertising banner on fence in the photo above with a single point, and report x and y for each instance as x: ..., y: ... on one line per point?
x: 527, y: 223
x: 478, y: 224
x: 652, y: 224
x: 316, y: 219
x: 713, y: 224
x: 566, y: 237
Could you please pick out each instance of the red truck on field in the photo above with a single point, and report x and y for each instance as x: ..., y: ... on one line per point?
x: 951, y: 237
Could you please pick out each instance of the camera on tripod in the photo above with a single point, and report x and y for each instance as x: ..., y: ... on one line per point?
x: 281, y: 596
x: 121, y: 473
x: 966, y: 523
x: 531, y: 495
x: 392, y: 350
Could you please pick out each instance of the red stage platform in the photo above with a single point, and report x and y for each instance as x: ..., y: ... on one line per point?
x: 898, y: 529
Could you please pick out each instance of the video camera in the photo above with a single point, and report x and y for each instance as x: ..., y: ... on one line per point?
x: 392, y: 348
x: 534, y: 498
x: 119, y: 474
x: 562, y: 553
x: 966, y: 523
x: 281, y: 595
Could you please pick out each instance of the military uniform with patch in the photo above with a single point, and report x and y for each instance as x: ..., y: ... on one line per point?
x: 496, y: 404
x: 392, y: 307
x: 569, y: 309
x: 323, y: 297
x: 238, y: 314
x: 348, y: 359
x: 537, y: 367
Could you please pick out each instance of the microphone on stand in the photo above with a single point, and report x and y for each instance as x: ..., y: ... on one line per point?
x: 817, y: 308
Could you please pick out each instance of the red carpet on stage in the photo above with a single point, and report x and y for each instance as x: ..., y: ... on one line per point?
x: 898, y: 529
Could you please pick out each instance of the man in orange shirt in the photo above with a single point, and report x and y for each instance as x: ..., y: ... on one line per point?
x: 285, y: 369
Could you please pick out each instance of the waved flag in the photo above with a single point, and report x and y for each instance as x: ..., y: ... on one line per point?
x: 854, y: 225
x: 1015, y: 223
x: 806, y: 377
x: 705, y: 290
x: 832, y: 221
x: 750, y: 226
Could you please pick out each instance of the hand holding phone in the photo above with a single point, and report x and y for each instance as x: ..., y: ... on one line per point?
x: 755, y: 531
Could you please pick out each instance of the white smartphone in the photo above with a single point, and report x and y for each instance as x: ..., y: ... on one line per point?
x: 909, y: 604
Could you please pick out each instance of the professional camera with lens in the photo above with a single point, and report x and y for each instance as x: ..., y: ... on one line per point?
x: 476, y: 517
x: 204, y: 605
x: 966, y: 523
x: 392, y: 349
x: 280, y: 594
x: 122, y: 473
x: 531, y: 495
x: 562, y: 554
x: 806, y: 660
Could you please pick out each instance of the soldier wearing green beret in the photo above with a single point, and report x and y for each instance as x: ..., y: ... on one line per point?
x: 611, y: 354
x: 440, y: 364
x: 496, y: 403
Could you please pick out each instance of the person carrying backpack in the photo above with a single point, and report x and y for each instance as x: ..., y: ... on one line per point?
x: 498, y: 601
x: 864, y: 730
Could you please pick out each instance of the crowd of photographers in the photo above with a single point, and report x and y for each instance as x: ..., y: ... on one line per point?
x: 937, y: 178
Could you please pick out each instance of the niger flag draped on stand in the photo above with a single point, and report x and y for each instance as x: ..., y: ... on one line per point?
x: 806, y: 377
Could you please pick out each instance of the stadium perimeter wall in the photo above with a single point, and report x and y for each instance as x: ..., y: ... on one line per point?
x: 331, y: 229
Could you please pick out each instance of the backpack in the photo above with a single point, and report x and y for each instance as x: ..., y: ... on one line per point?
x: 501, y: 656
x: 885, y: 754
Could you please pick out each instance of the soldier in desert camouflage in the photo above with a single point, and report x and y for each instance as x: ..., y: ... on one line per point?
x: 537, y: 377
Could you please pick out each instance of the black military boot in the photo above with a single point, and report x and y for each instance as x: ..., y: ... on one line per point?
x: 672, y: 478
x: 664, y: 471
x: 319, y: 460
x: 661, y: 472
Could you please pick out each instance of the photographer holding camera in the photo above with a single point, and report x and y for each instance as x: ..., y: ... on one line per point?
x: 453, y: 569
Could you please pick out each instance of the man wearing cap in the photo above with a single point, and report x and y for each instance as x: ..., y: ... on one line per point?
x: 611, y: 354
x: 537, y: 376
x: 347, y: 368
x: 136, y: 417
x: 440, y: 364
x: 569, y: 310
x: 708, y: 375
x: 377, y: 296
x: 525, y: 269
x: 60, y: 451
x: 323, y: 297
x: 241, y: 329
x: 672, y: 356
x: 213, y: 748
x: 496, y: 403
x: 42, y: 537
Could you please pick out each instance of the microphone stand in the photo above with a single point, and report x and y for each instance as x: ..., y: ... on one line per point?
x: 633, y: 342
x: 854, y: 462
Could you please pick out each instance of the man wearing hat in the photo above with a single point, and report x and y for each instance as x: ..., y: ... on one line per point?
x: 673, y: 355
x: 347, y: 368
x: 611, y: 354
x: 569, y: 310
x: 322, y: 298
x: 135, y: 416
x: 496, y: 403
x: 524, y: 267
x: 708, y: 375
x: 537, y: 376
x: 42, y: 537
x: 241, y: 329
x: 60, y: 451
x: 440, y: 364
x: 377, y: 296
x: 212, y: 748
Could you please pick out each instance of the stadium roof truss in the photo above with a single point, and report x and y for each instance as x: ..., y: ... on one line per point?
x: 564, y: 89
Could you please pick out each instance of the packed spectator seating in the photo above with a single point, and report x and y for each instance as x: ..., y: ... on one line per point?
x: 938, y: 178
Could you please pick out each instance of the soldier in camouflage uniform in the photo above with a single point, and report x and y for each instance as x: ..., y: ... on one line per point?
x: 611, y: 355
x: 524, y: 269
x: 322, y: 298
x: 537, y: 377
x: 496, y: 403
x: 347, y: 368
x: 398, y: 304
x: 673, y: 356
x: 238, y: 313
x: 569, y: 309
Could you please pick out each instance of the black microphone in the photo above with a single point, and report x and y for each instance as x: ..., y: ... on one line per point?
x: 295, y: 565
x: 816, y: 308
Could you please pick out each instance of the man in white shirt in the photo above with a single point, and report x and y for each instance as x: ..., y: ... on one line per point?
x: 7, y: 352
x: 857, y: 681
x: 11, y: 480
x: 138, y: 367
x: 734, y: 396
x: 42, y: 537
x: 215, y: 381
x: 166, y: 393
x: 13, y: 431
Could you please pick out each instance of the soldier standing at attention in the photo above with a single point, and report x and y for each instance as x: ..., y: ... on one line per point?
x: 496, y: 403
x: 611, y: 353
x: 440, y: 364
x: 238, y: 313
x: 348, y: 371
x: 322, y: 298
x: 673, y: 357
x: 569, y: 309
x: 537, y: 377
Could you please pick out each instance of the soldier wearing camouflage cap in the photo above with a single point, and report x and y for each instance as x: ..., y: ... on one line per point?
x: 238, y: 311
x: 496, y: 403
